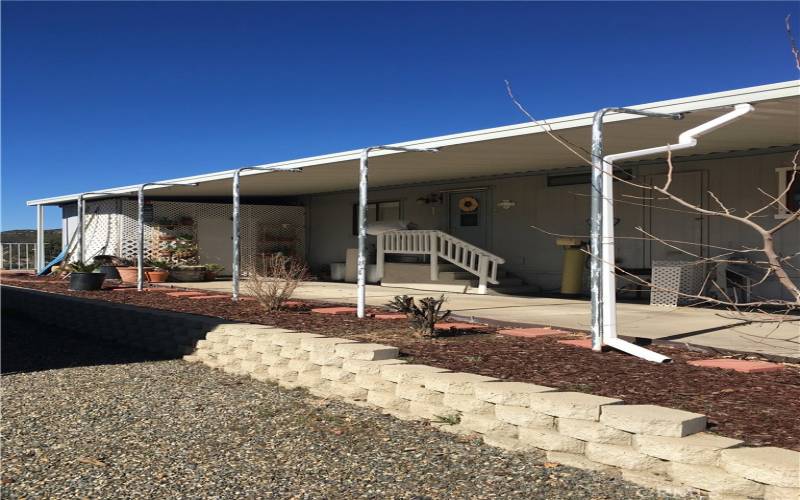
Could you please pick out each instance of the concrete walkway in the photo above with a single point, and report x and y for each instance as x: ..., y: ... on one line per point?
x: 698, y: 326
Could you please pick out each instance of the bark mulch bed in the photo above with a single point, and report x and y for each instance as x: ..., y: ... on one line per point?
x: 759, y: 408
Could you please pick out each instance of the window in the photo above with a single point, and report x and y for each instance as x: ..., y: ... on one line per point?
x: 380, y: 211
x: 792, y: 198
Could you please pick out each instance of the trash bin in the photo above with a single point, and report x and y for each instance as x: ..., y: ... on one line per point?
x: 574, y: 263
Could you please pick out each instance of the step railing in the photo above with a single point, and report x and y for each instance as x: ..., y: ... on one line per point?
x: 438, y: 244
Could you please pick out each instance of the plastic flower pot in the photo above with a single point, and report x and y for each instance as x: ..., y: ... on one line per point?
x: 86, y: 281
x: 157, y: 275
x: 110, y: 271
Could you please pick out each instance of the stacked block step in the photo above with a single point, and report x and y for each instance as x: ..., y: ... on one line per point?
x: 656, y: 447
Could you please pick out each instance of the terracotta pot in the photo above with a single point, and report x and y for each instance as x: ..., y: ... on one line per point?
x: 210, y: 275
x: 129, y: 274
x: 157, y: 275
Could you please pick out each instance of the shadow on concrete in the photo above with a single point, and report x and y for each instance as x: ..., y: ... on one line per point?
x: 30, y: 346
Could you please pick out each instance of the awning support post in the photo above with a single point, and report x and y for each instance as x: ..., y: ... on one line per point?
x: 236, y: 221
x: 606, y: 333
x: 81, y: 216
x: 140, y: 236
x: 363, y: 174
x: 39, y: 238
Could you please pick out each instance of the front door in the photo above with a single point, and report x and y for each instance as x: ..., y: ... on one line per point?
x: 469, y: 217
x: 214, y: 241
x: 673, y: 226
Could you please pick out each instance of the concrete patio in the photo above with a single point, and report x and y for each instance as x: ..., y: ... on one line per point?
x: 753, y: 333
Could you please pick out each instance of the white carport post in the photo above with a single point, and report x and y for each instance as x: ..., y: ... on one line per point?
x: 363, y: 173
x: 687, y: 139
x: 236, y: 216
x: 39, y: 238
x: 140, y: 236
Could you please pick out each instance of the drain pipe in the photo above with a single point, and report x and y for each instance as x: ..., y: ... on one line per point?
x: 361, y: 293
x: 686, y: 140
x: 596, y: 219
x: 140, y: 238
x: 236, y: 222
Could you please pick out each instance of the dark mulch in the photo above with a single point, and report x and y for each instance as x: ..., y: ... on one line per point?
x: 761, y: 408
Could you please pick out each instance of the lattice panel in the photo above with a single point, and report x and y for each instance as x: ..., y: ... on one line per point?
x: 100, y: 229
x: 253, y: 217
x: 673, y: 278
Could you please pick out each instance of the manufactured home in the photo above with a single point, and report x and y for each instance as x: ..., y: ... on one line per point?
x: 498, y: 207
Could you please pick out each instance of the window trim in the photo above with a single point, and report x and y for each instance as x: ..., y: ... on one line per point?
x: 782, y: 171
x: 375, y: 203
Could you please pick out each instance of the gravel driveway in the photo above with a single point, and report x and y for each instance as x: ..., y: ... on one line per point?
x: 89, y: 419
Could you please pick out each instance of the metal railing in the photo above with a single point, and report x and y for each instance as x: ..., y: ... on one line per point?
x: 18, y: 256
x: 437, y: 244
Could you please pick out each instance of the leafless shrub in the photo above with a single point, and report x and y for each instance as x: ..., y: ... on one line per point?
x: 273, y: 281
x: 423, y: 317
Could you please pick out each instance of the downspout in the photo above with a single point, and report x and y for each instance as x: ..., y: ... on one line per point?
x: 596, y: 219
x: 140, y: 219
x: 363, y: 172
x: 235, y: 217
x: 686, y: 140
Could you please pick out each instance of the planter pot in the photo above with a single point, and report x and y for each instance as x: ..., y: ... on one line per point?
x: 129, y: 274
x: 188, y: 274
x: 157, y: 275
x: 86, y: 281
x: 210, y: 275
x: 110, y: 271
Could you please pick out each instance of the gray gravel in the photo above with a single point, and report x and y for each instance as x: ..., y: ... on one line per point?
x: 90, y: 419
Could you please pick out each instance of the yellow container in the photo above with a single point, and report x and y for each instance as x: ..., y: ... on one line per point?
x: 572, y: 273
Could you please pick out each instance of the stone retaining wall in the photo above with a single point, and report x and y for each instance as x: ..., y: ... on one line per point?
x: 650, y: 445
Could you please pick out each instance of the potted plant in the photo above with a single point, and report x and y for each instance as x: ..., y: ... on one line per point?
x: 187, y: 272
x: 185, y: 220
x: 212, y: 271
x: 158, y: 271
x: 129, y: 273
x: 82, y: 276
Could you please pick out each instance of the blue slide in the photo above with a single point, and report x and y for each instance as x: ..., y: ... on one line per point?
x: 56, y: 260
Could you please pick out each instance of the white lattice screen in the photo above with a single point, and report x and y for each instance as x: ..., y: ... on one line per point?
x: 674, y: 280
x: 111, y: 225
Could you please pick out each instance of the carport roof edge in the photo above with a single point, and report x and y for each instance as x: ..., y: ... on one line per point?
x: 687, y: 105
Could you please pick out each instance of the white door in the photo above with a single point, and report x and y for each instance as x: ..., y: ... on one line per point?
x: 215, y: 241
x: 676, y: 225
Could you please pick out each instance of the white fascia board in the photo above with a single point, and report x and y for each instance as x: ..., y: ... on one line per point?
x: 759, y: 93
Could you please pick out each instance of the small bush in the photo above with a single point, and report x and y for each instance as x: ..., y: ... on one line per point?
x: 423, y: 317
x: 274, y: 281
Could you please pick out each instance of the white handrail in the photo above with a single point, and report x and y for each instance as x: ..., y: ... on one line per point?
x: 437, y: 244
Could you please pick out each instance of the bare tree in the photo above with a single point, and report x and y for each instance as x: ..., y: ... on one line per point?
x: 764, y: 259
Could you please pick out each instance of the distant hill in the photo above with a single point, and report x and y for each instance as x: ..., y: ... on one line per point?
x: 51, y: 236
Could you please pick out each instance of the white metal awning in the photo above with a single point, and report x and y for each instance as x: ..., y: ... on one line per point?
x: 509, y: 150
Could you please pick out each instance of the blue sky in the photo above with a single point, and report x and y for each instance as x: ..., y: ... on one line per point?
x: 102, y: 94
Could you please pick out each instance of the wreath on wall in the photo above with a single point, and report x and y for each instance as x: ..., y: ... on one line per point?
x: 468, y: 204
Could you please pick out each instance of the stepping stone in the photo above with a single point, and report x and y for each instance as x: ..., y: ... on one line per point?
x: 459, y: 326
x: 583, y: 343
x: 204, y: 297
x: 530, y: 332
x: 389, y: 316
x: 185, y: 294
x: 334, y: 310
x: 739, y: 365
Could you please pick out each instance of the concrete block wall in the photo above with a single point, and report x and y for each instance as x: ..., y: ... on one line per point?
x: 657, y: 447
